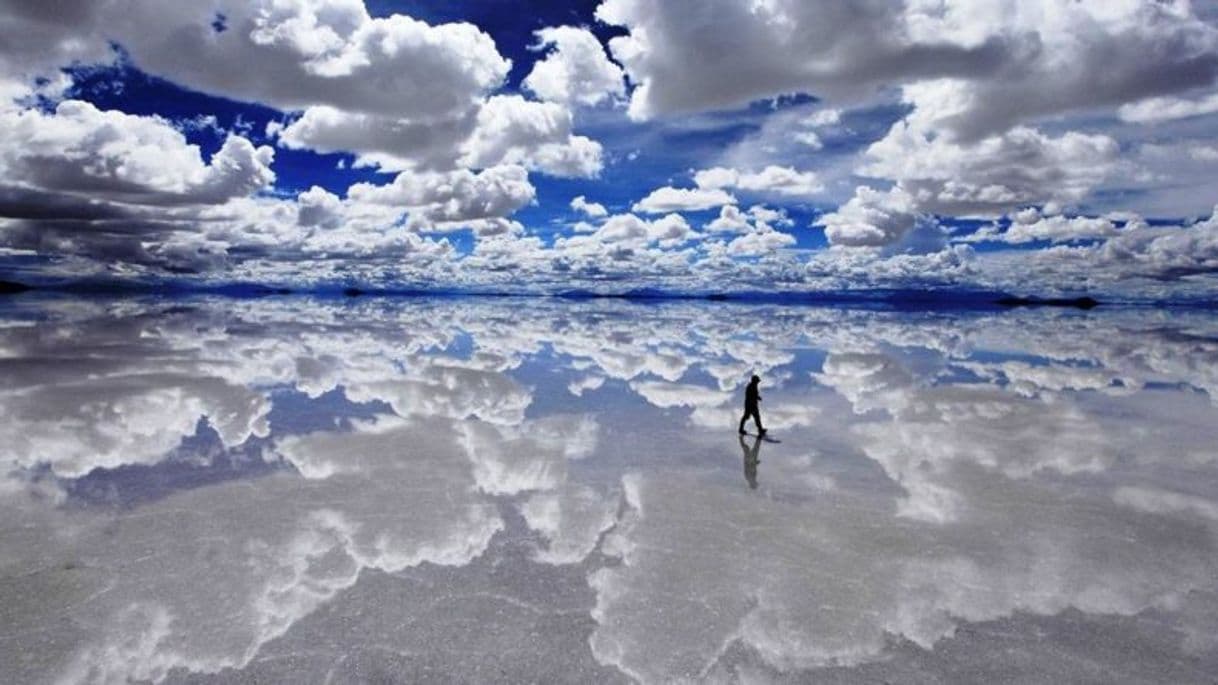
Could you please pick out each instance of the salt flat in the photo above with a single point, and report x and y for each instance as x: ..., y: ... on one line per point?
x: 507, y: 490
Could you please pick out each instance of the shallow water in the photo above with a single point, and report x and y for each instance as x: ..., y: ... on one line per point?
x: 300, y: 490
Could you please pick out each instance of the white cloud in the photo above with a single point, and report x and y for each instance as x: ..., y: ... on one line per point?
x: 986, y: 177
x: 758, y: 234
x: 669, y: 231
x: 319, y: 207
x: 730, y: 220
x: 395, y: 91
x: 772, y: 180
x: 823, y: 117
x: 870, y: 219
x: 1017, y: 59
x: 811, y: 139
x: 455, y: 196
x: 991, y: 175
x: 999, y: 102
x: 1168, y: 251
x: 536, y: 135
x: 83, y: 151
x: 319, y: 52
x: 505, y: 129
x: 387, y: 142
x: 978, y: 80
x: 668, y: 199
x: 760, y: 243
x: 1159, y: 109
x: 674, y: 51
x: 625, y: 246
x: 576, y: 70
x: 1029, y: 225
x: 764, y: 214
x: 593, y: 210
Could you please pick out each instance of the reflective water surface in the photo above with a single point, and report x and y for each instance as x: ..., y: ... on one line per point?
x: 477, y: 490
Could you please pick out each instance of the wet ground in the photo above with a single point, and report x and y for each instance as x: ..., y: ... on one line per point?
x: 531, y: 490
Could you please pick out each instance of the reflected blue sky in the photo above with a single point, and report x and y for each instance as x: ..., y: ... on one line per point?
x: 211, y: 489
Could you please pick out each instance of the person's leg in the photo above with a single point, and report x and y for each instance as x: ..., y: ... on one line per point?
x: 757, y: 419
x: 742, y: 420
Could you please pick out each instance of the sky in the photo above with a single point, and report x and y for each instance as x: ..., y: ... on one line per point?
x: 1033, y: 146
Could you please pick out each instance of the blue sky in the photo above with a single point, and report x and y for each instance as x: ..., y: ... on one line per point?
x: 723, y: 145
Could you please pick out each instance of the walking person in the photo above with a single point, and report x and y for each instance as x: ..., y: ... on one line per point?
x: 751, y: 399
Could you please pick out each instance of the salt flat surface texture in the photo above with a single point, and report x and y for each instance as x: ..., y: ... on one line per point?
x: 417, y: 490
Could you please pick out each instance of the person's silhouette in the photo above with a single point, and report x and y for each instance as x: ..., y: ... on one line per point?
x: 751, y: 398
x: 751, y: 459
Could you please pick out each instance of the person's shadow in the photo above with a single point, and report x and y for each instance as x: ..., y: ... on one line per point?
x: 752, y: 457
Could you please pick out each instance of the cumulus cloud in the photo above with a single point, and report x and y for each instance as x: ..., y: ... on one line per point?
x: 502, y: 129
x: 758, y: 218
x: 760, y: 242
x: 592, y: 210
x: 455, y: 196
x: 108, y: 155
x: 987, y: 177
x: 537, y: 135
x: 1137, y: 260
x: 1029, y: 225
x: 871, y: 218
x: 505, y: 129
x: 386, y: 142
x: 1015, y: 61
x: 772, y: 180
x: 290, y: 55
x: 1022, y: 166
x: 576, y: 70
x: 624, y: 233
x: 674, y: 54
x: 978, y: 82
x: 323, y: 52
x: 669, y: 199
x: 1165, y: 252
x: 118, y: 188
x: 730, y: 220
x: 1159, y: 109
x: 998, y: 108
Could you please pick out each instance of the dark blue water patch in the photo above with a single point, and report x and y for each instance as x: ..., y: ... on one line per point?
x: 921, y: 362
x: 200, y: 460
x: 807, y: 361
x: 699, y: 374
x: 461, y: 346
x: 295, y: 413
x: 549, y: 377
x: 959, y: 375
x: 996, y: 357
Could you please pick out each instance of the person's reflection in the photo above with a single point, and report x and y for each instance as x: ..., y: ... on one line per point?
x: 751, y: 460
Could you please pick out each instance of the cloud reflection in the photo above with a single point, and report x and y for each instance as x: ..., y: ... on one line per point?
x: 935, y: 470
